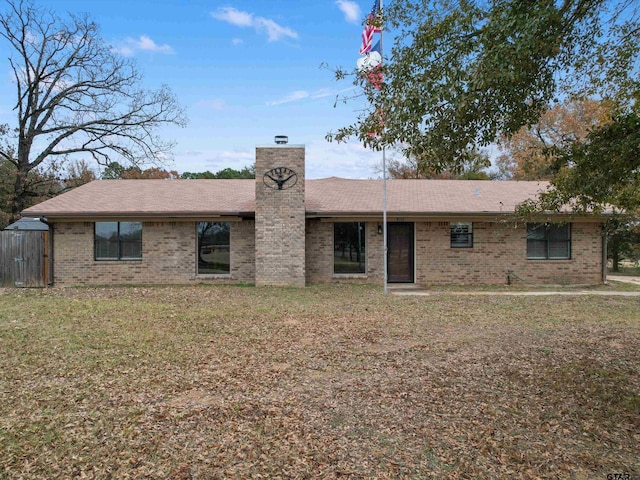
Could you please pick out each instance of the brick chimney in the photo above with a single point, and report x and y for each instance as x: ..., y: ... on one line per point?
x: 280, y: 215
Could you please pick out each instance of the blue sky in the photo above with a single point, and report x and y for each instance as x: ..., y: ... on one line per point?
x: 244, y: 71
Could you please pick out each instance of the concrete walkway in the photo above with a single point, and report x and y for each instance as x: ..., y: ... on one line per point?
x: 414, y: 290
x: 624, y: 279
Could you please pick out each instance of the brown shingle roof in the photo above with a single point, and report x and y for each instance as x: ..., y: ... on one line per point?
x: 329, y: 196
x: 151, y: 197
x: 338, y: 195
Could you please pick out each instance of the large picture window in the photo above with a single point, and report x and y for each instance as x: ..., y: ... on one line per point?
x: 548, y: 241
x: 214, y: 256
x: 349, y: 247
x: 461, y: 235
x: 118, y: 241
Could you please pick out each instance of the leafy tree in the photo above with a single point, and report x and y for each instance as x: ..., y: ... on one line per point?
x: 623, y: 241
x: 39, y: 185
x: 464, y: 73
x: 570, y: 146
x: 78, y: 173
x: 472, y: 169
x: 530, y: 153
x: 603, y: 172
x: 151, y: 173
x: 74, y: 94
x: 6, y: 185
x: 114, y: 170
x: 246, y: 172
x: 198, y: 175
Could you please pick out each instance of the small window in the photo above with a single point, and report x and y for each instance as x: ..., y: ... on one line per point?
x: 548, y: 241
x: 462, y: 235
x: 349, y: 247
x: 118, y: 241
x: 214, y: 256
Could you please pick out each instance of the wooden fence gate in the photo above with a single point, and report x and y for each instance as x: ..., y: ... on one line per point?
x: 24, y: 258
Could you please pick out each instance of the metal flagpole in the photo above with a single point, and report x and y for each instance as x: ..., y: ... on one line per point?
x: 384, y: 177
x: 384, y: 216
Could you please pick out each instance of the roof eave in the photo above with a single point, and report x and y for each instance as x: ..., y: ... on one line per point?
x: 394, y: 215
x: 92, y: 216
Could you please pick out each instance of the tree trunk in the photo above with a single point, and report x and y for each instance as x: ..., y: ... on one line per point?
x: 614, y: 246
x: 23, y: 168
x: 19, y: 196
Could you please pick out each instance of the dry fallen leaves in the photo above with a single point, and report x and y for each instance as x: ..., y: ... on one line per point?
x: 322, y: 382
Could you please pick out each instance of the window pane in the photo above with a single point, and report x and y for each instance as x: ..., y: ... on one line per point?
x: 106, y: 240
x: 536, y: 231
x: 558, y: 233
x: 537, y: 249
x: 559, y: 250
x: 130, y: 240
x: 559, y: 241
x: 214, y: 256
x: 349, y: 247
x: 461, y: 235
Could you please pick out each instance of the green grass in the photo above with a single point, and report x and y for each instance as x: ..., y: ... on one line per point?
x: 625, y: 267
x: 320, y: 382
x: 611, y: 286
x: 630, y: 271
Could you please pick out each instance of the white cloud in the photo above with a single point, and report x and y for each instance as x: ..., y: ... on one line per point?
x: 273, y: 30
x: 233, y: 16
x: 323, y: 92
x: 346, y: 160
x: 292, y: 97
x: 302, y: 94
x: 144, y: 44
x: 330, y: 92
x: 351, y: 10
x: 323, y: 159
x: 236, y: 41
x: 124, y: 50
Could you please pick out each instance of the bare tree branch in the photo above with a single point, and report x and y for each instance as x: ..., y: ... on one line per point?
x: 76, y: 94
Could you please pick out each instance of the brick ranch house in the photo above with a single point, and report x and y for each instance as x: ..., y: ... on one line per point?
x: 281, y: 229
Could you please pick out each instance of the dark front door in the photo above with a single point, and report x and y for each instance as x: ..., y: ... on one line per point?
x: 400, y: 252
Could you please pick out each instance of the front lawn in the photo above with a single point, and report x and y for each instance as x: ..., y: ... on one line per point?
x: 322, y: 382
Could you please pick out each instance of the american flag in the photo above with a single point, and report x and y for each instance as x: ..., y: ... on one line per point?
x: 371, y: 26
